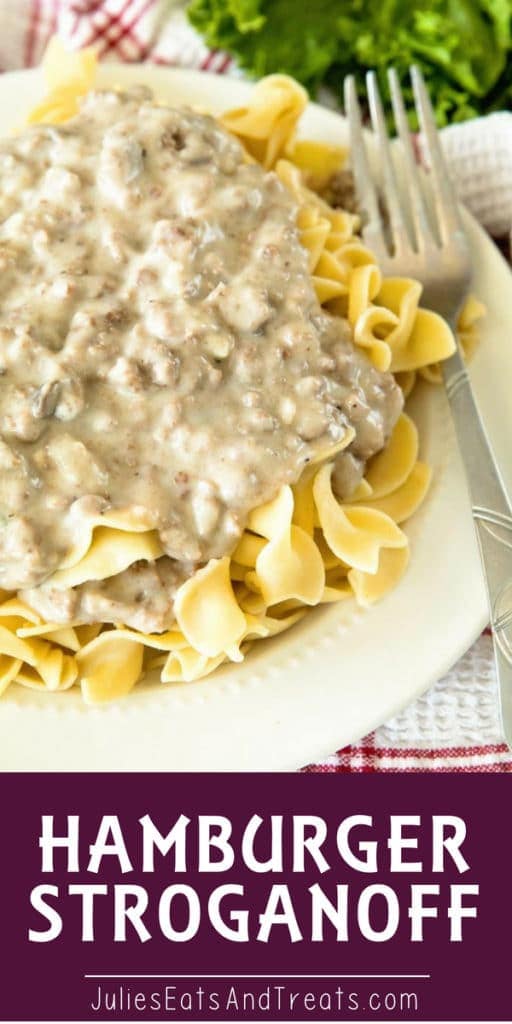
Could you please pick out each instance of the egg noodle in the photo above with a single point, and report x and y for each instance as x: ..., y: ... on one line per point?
x: 303, y: 548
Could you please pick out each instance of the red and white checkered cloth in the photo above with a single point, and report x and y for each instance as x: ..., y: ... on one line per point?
x: 126, y: 30
x: 455, y: 726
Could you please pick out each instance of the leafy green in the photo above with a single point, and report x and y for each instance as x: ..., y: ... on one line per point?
x: 464, y: 47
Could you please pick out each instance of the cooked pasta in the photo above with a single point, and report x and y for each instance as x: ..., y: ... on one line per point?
x: 304, y: 547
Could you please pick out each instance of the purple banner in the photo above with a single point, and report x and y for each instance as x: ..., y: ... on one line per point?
x: 257, y: 897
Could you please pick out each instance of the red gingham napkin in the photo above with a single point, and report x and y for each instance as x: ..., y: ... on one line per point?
x: 455, y: 726
x: 126, y: 30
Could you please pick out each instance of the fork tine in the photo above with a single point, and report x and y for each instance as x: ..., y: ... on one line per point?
x: 399, y: 231
x: 446, y: 200
x: 363, y: 180
x: 422, y: 228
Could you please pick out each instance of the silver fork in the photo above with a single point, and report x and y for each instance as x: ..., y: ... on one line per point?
x: 422, y: 236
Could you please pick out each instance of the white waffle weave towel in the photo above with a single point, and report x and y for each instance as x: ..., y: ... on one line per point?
x: 479, y: 155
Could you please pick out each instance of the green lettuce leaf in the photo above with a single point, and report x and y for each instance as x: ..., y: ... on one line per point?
x: 464, y: 47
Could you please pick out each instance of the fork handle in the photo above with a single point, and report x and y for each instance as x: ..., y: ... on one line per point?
x: 492, y: 516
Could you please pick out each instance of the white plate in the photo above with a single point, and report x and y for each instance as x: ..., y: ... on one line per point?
x: 341, y: 672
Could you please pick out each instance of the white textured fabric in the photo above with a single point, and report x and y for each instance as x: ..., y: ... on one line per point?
x: 459, y: 710
x: 479, y: 155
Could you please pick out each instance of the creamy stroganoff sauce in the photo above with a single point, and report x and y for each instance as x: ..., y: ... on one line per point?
x: 161, y: 347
